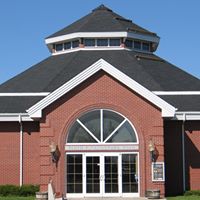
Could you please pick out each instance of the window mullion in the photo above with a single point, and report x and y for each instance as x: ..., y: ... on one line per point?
x: 89, y: 132
x: 114, y: 131
x: 101, y: 124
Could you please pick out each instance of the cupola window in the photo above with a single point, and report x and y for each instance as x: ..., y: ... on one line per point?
x: 137, y: 45
x: 114, y: 42
x: 89, y: 42
x: 59, y: 47
x: 75, y: 44
x: 129, y: 43
x: 145, y: 46
x: 67, y: 45
x: 102, y: 42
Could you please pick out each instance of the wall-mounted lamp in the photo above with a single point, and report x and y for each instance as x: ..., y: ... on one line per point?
x: 152, y: 150
x: 55, y: 153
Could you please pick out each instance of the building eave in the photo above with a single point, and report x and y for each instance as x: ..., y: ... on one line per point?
x: 139, y: 36
x: 185, y: 116
x: 36, y: 110
x: 14, y: 117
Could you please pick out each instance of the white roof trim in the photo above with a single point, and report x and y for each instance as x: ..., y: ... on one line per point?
x: 183, y: 116
x: 70, y: 36
x: 24, y: 94
x: 176, y: 92
x: 14, y: 117
x: 36, y: 110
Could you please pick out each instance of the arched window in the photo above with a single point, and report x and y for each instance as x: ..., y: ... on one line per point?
x: 102, y: 126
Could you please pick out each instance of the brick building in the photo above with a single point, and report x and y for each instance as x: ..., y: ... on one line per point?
x: 102, y: 116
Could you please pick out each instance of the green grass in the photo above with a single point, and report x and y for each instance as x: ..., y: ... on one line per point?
x: 192, y: 197
x: 17, y: 198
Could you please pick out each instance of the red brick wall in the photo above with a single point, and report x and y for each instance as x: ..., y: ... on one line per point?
x: 173, y: 156
x: 192, y: 152
x: 10, y: 153
x: 100, y: 91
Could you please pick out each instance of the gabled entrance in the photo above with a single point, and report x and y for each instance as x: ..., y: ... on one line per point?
x: 102, y: 156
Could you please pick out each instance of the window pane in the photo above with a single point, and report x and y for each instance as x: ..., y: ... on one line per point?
x: 78, y: 134
x: 129, y: 43
x: 129, y: 173
x: 102, y: 42
x: 145, y: 46
x: 124, y: 134
x: 67, y: 45
x: 59, y: 47
x: 92, y: 121
x: 114, y: 42
x: 137, y: 45
x: 110, y: 122
x: 89, y: 42
x: 74, y: 173
x: 75, y: 44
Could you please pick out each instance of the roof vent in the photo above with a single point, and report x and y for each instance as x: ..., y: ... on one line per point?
x: 123, y: 19
x: 102, y: 7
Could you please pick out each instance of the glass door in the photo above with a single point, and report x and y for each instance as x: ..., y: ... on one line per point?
x: 93, y: 174
x: 111, y: 172
x: 102, y: 175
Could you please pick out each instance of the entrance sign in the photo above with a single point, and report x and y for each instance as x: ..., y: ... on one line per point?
x: 158, y: 171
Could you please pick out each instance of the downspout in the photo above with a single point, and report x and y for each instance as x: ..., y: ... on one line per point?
x: 21, y: 152
x: 183, y: 150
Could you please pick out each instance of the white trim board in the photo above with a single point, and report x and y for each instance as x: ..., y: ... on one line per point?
x: 36, y: 110
x: 174, y: 93
x: 24, y: 94
x: 14, y: 117
x: 183, y: 116
x: 120, y: 34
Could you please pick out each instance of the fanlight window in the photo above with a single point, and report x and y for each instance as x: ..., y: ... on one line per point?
x: 102, y: 126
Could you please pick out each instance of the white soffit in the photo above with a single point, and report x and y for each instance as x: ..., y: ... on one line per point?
x: 14, y: 117
x: 183, y: 116
x: 36, y: 110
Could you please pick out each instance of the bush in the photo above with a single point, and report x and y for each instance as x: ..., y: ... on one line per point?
x: 192, y: 192
x: 13, y: 190
x: 28, y: 190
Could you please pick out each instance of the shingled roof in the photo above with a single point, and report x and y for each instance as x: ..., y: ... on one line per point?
x: 149, y: 70
x: 102, y: 19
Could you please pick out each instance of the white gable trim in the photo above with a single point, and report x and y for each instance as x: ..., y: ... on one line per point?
x: 36, y: 110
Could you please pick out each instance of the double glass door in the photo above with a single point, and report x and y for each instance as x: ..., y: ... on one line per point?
x: 102, y: 174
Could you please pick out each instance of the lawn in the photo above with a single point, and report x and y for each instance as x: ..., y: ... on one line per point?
x: 17, y: 198
x: 184, y: 198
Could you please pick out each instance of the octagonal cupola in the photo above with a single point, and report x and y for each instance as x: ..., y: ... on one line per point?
x: 102, y: 29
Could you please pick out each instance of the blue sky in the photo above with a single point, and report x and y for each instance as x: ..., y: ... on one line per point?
x: 24, y: 24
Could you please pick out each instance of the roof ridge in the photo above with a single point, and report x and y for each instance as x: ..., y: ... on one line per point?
x: 102, y: 7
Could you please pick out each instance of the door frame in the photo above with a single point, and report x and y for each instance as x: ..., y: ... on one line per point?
x: 102, y: 185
